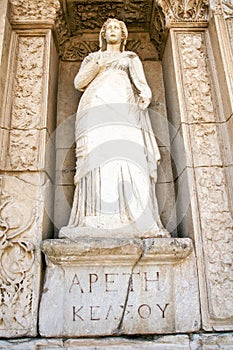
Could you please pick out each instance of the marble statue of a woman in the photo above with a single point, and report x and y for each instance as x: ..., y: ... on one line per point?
x: 116, y: 152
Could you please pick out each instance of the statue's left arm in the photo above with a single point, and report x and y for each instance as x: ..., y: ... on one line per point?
x: 139, y: 80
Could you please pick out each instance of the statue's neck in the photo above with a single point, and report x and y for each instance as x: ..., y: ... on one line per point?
x: 113, y: 47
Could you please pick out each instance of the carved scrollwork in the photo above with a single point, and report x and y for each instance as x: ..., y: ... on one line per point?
x: 227, y: 8
x: 184, y: 10
x: 76, y: 49
x: 217, y: 227
x: 16, y: 261
x: 196, y: 82
x: 158, y: 31
x: 212, y: 192
x: 28, y: 10
x: 62, y: 30
x: 90, y: 16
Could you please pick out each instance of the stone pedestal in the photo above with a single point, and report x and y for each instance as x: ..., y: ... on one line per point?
x: 119, y: 286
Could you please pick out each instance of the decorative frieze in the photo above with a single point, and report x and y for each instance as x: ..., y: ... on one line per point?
x: 84, y: 16
x: 76, y: 49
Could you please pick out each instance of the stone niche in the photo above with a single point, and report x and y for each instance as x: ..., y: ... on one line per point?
x: 111, y: 287
x: 98, y: 287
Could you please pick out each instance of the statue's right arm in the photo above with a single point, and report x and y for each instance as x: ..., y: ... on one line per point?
x: 88, y: 71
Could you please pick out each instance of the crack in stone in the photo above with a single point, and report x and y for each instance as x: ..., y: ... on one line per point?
x: 147, y: 243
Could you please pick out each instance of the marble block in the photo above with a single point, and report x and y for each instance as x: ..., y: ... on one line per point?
x: 119, y: 286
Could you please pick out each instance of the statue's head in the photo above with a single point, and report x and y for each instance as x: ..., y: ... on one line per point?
x: 102, y: 36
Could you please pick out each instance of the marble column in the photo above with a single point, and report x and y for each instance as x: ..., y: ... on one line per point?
x: 199, y: 110
x: 29, y: 82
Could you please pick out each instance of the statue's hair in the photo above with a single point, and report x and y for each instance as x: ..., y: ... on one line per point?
x: 124, y: 34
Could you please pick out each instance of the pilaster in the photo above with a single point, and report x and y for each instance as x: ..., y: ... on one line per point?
x: 26, y: 128
x: 195, y: 109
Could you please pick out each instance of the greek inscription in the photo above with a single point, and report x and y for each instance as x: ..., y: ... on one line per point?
x: 131, y: 280
x: 149, y: 281
x: 127, y: 311
x: 75, y: 282
x: 109, y: 279
x: 163, y: 310
x: 99, y: 313
x: 144, y: 311
x: 112, y: 282
x: 110, y: 312
x: 94, y: 312
x: 75, y: 313
x: 93, y: 278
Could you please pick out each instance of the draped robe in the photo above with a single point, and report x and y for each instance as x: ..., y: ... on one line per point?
x: 116, y: 151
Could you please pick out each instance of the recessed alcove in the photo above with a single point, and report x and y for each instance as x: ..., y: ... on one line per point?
x: 149, y: 44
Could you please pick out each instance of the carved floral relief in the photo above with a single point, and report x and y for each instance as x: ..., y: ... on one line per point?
x: 90, y: 16
x: 26, y: 111
x: 28, y: 82
x: 184, y: 10
x: 217, y: 226
x: 16, y: 261
x: 34, y: 10
x: 227, y: 8
x: 195, y: 78
x: 216, y: 220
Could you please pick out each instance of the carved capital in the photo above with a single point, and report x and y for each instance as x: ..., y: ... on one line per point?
x: 222, y: 7
x: 227, y: 6
x: 31, y: 11
x: 184, y: 10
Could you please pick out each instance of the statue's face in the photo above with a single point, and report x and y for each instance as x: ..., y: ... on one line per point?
x: 113, y: 33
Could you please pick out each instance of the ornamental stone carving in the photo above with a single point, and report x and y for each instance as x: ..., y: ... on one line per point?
x: 85, y: 16
x: 217, y: 226
x: 222, y: 7
x: 28, y: 82
x: 24, y: 118
x: 212, y: 192
x: 227, y: 8
x: 37, y: 10
x: 76, y: 49
x: 158, y: 31
x: 184, y: 10
x: 16, y: 261
x: 195, y: 78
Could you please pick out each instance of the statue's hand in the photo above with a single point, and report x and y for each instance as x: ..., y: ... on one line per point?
x: 143, y: 102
